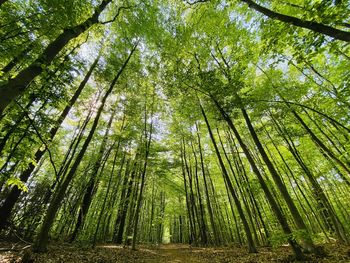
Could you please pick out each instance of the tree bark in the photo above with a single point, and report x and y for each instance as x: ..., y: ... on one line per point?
x: 240, y: 189
x: 143, y: 173
x: 251, y: 245
x: 89, y: 191
x: 18, y: 85
x: 203, y: 227
x: 307, y: 241
x: 41, y: 241
x: 314, y: 26
x: 322, y: 146
x: 192, y: 203
x: 121, y: 205
x: 191, y: 228
x: 12, y: 198
x: 324, y: 206
x: 210, y: 210
x: 274, y: 205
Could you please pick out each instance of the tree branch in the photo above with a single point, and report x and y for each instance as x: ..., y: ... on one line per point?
x: 117, y: 14
x: 306, y: 107
x: 314, y: 26
x: 40, y: 137
x: 195, y: 2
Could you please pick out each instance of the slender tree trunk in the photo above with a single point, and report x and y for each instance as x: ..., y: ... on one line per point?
x: 314, y: 26
x: 18, y: 85
x: 124, y: 203
x: 113, y: 198
x: 251, y: 245
x: 122, y: 208
x: 210, y: 210
x: 306, y: 199
x: 18, y: 121
x: 43, y: 235
x: 9, y: 66
x: 89, y: 192
x: 322, y: 146
x: 191, y: 229
x: 307, y: 241
x: 150, y: 227
x: 130, y: 215
x: 69, y: 156
x: 12, y: 198
x: 203, y: 228
x: 239, y: 238
x: 330, y: 140
x: 334, y: 225
x: 109, y: 186
x: 192, y: 204
x: 240, y: 189
x: 13, y: 149
x: 143, y: 174
x: 241, y: 171
x: 274, y: 205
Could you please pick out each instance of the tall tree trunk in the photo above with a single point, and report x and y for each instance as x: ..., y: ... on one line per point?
x: 43, y: 235
x: 314, y: 26
x: 242, y: 172
x: 192, y: 203
x: 129, y: 180
x: 109, y: 186
x: 18, y: 121
x: 330, y: 140
x: 292, y: 174
x: 322, y: 146
x: 239, y: 238
x: 9, y: 66
x: 150, y: 227
x: 240, y: 189
x: 89, y: 191
x: 210, y: 210
x: 203, y: 227
x: 122, y: 204
x: 274, y: 205
x: 12, y: 198
x: 128, y: 211
x: 19, y: 84
x: 332, y: 221
x: 143, y: 173
x: 4, y: 167
x: 188, y: 204
x: 69, y: 156
x: 251, y: 245
x: 307, y: 241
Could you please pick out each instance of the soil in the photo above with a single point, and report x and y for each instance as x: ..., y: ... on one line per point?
x: 171, y: 253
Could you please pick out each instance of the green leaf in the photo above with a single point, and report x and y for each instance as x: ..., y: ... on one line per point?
x: 15, y: 181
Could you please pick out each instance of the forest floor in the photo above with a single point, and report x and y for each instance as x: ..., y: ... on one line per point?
x: 172, y: 253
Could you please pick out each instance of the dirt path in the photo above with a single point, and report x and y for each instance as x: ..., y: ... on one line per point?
x: 172, y: 253
x: 177, y: 253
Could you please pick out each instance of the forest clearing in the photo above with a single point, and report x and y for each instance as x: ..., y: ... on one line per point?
x: 174, y: 131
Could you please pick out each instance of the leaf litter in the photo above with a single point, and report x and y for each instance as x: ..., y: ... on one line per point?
x: 172, y: 253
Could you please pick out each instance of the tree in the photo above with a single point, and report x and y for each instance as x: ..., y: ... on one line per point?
x: 17, y: 86
x: 41, y: 240
x: 197, y: 122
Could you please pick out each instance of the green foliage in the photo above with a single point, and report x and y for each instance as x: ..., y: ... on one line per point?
x: 13, y: 181
x: 279, y: 238
x: 186, y: 56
